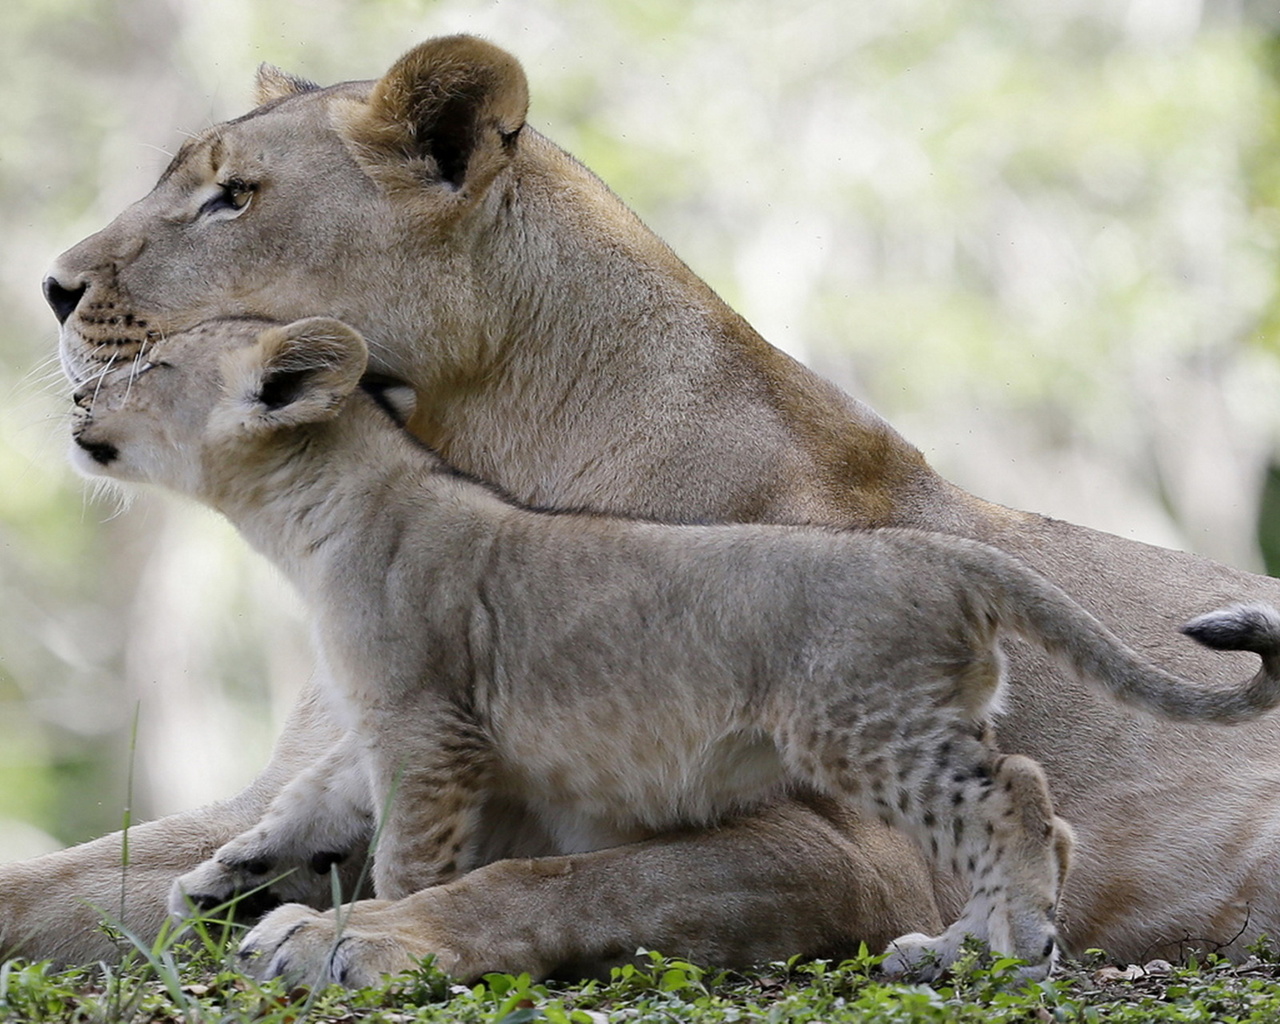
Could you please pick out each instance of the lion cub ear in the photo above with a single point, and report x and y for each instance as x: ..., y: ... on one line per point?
x: 448, y: 112
x: 300, y: 373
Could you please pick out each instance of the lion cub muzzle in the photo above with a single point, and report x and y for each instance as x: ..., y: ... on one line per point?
x: 103, y: 453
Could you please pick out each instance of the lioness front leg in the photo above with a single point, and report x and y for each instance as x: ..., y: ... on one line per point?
x: 809, y: 879
x: 52, y: 907
x: 318, y: 820
x: 993, y: 819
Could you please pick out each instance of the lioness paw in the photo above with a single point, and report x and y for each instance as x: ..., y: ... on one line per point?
x: 310, y: 947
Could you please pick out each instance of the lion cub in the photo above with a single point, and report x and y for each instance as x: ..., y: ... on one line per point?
x: 618, y: 677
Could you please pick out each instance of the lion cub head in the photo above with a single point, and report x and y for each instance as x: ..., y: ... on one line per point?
x: 192, y: 412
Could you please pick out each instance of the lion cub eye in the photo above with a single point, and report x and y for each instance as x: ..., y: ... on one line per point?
x: 231, y: 199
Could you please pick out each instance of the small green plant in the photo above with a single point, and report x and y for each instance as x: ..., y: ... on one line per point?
x: 194, y: 980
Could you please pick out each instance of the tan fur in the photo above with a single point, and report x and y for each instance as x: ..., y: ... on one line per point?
x: 563, y: 351
x: 621, y: 677
x: 274, y: 83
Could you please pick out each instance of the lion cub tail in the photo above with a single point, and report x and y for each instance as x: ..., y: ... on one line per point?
x: 1244, y: 627
x: 1098, y: 654
x: 1026, y: 603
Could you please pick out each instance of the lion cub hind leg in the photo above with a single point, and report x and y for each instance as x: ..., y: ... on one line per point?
x: 991, y: 818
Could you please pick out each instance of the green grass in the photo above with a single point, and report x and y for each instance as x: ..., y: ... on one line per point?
x: 194, y: 983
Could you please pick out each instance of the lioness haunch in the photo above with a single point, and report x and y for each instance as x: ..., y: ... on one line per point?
x: 619, y: 675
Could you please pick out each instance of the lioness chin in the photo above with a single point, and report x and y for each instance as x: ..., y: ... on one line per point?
x: 620, y: 676
x: 562, y: 351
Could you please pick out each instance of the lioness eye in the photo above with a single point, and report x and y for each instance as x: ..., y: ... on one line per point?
x: 233, y: 195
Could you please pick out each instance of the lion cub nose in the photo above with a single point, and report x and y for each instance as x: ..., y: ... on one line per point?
x: 62, y: 300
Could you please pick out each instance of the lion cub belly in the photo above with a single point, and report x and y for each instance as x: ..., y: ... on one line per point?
x: 625, y: 783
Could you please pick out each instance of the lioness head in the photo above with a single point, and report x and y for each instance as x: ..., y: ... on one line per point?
x: 191, y: 412
x: 362, y: 200
x: 558, y: 347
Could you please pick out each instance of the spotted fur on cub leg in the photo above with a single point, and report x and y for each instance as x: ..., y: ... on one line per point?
x: 1015, y: 852
x: 434, y: 798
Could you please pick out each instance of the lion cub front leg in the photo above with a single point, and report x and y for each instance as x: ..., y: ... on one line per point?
x: 430, y: 787
x: 1015, y: 853
x: 316, y: 822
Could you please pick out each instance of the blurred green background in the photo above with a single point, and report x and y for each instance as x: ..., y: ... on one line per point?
x: 1041, y: 238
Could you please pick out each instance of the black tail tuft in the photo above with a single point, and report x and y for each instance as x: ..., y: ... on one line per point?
x: 1243, y: 627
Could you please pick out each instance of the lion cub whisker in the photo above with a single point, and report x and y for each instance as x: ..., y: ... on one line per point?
x: 619, y: 677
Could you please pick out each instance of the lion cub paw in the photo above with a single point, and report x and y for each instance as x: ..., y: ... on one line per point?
x: 927, y: 957
x: 212, y: 886
x: 920, y: 957
x: 257, y: 884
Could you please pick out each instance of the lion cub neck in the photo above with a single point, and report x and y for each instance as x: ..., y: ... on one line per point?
x: 328, y: 502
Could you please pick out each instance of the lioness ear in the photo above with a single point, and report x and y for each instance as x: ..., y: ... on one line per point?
x: 299, y: 373
x: 449, y: 111
x: 274, y: 84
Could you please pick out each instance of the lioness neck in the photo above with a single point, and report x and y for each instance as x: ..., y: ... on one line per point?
x: 628, y: 385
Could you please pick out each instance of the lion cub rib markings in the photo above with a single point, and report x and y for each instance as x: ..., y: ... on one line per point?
x: 622, y: 676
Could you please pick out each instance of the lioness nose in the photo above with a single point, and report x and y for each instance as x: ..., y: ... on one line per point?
x: 62, y: 300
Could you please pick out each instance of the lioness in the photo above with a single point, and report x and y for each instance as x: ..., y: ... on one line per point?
x: 562, y: 351
x: 617, y: 676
